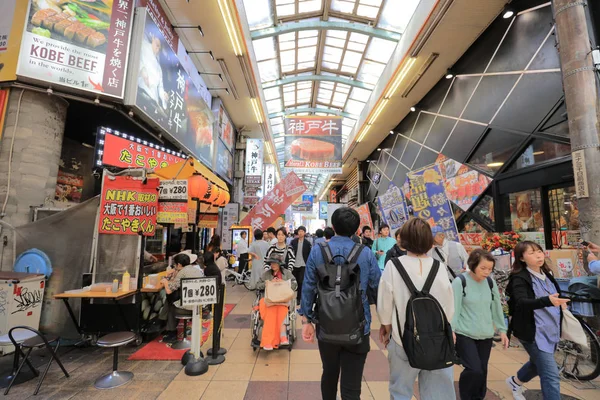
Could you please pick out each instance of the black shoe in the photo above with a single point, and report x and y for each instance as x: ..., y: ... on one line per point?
x: 169, y: 338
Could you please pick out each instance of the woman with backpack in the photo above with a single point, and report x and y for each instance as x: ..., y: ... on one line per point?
x: 403, y: 281
x: 536, y: 311
x: 477, y: 310
x: 382, y: 244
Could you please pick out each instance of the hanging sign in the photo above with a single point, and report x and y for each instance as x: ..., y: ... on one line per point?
x: 269, y: 177
x: 254, y: 157
x: 322, y: 210
x: 253, y: 180
x: 463, y: 184
x: 365, y: 216
x: 208, y: 221
x: 581, y: 183
x: 392, y: 208
x: 333, y: 196
x: 12, y: 21
x: 274, y: 203
x: 224, y: 162
x: 128, y: 206
x: 173, y: 202
x: 313, y: 144
x: 429, y: 201
x: 198, y: 291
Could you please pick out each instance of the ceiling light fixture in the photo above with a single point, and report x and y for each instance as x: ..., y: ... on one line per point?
x: 219, y: 88
x: 400, y: 77
x: 364, y: 132
x: 231, y: 27
x: 538, y: 153
x: 495, y: 164
x: 413, y: 109
x: 256, y: 109
x: 189, y: 27
x: 378, y: 111
x: 202, y: 52
x: 449, y: 74
x: 212, y: 73
x: 225, y: 70
x: 379, y: 149
x: 392, y: 132
x: 508, y: 12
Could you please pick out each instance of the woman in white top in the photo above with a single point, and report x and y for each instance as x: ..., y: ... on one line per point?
x: 393, y: 296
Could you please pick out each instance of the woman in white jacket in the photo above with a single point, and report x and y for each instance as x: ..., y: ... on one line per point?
x: 393, y: 296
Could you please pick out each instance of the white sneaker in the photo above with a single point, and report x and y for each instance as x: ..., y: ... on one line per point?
x: 517, y: 390
x: 268, y: 348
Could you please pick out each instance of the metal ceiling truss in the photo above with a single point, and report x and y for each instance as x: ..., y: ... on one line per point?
x: 294, y: 111
x: 318, y: 78
x: 325, y: 25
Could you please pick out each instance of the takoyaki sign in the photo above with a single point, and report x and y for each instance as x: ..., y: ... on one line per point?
x: 78, y: 44
x: 313, y: 144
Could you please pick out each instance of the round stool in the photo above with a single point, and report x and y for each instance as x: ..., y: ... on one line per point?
x: 115, y: 378
x: 184, y: 315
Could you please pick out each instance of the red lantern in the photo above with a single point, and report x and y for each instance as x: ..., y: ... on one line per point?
x: 226, y: 200
x: 212, y: 194
x: 197, y: 187
x: 222, y: 200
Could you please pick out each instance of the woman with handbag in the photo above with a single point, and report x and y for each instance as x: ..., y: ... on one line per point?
x: 536, y: 311
x: 282, y: 251
x: 274, y: 310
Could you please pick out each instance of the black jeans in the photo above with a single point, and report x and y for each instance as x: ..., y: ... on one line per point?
x: 298, y: 273
x: 350, y: 361
x: 243, y: 263
x: 475, y: 355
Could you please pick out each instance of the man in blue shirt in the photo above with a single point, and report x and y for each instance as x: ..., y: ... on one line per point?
x: 349, y: 360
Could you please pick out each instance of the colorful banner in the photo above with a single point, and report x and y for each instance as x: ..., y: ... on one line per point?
x: 323, y: 210
x: 172, y: 213
x: 12, y: 21
x: 208, y: 221
x: 163, y: 92
x: 365, y: 217
x: 313, y: 144
x: 78, y: 44
x: 118, y: 149
x: 333, y: 196
x: 392, y: 207
x: 224, y: 162
x: 429, y: 201
x: 128, y: 206
x: 463, y: 184
x: 254, y: 157
x: 275, y: 202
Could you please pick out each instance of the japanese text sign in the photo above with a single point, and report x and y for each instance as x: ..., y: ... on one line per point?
x: 269, y: 177
x: 173, y: 190
x: 254, y: 157
x: 198, y: 291
x: 128, y: 206
x: 429, y: 201
x: 274, y: 203
x: 85, y: 46
x: 163, y: 93
x: 581, y: 182
x: 463, y: 184
x: 229, y: 217
x: 313, y: 144
x: 365, y: 216
x: 118, y: 149
x: 392, y: 207
x: 172, y: 212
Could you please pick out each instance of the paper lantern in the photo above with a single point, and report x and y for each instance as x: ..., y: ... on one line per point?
x: 212, y: 194
x: 223, y: 199
x: 197, y: 187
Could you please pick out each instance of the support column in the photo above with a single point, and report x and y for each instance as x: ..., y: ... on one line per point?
x: 34, y: 130
x: 581, y: 96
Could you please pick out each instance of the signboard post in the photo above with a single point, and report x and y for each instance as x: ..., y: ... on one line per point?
x: 173, y: 202
x: 230, y: 217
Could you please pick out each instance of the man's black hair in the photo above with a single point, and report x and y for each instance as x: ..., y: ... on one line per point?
x: 182, y: 259
x: 272, y: 230
x: 345, y: 221
x: 301, y: 228
x: 366, y: 228
x: 328, y: 233
x: 243, y: 233
x: 258, y: 234
x: 319, y: 233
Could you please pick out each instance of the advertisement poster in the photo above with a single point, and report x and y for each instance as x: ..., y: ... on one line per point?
x: 313, y: 144
x: 117, y: 149
x: 163, y: 92
x: 224, y: 162
x: 274, y: 203
x: 12, y: 21
x: 333, y: 196
x: 128, y: 206
x: 323, y: 210
x: 229, y: 217
x: 304, y: 204
x: 269, y: 177
x: 392, y: 208
x: 69, y: 187
x: 78, y: 44
x: 365, y: 216
x: 429, y: 201
x: 331, y: 207
x: 463, y: 184
x: 254, y: 157
x: 226, y: 130
x: 471, y: 241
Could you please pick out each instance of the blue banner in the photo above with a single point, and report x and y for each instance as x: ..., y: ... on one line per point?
x: 323, y: 209
x: 429, y: 201
x: 392, y: 207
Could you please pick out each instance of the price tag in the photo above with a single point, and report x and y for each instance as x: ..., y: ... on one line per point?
x: 173, y: 190
x: 198, y: 291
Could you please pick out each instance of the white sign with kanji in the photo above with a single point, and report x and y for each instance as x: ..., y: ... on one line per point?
x: 199, y: 291
x: 173, y: 190
x: 254, y: 157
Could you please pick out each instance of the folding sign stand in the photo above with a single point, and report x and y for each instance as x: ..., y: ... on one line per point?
x: 217, y: 353
x: 197, y: 292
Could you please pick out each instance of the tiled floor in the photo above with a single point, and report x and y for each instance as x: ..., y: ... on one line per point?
x: 245, y: 375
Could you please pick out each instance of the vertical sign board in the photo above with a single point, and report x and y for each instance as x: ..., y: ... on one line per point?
x: 331, y: 207
x: 313, y: 144
x: 254, y: 157
x: 323, y: 210
x: 392, y: 208
x: 269, y: 178
x: 230, y: 217
x: 84, y: 46
x: 365, y: 217
x: 581, y: 183
x: 12, y: 20
x: 429, y: 201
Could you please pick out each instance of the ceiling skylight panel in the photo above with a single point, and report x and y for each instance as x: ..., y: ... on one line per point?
x: 307, y: 54
x: 305, y: 42
x: 308, y: 34
x: 306, y: 65
x: 269, y: 70
x: 309, y: 5
x: 367, y: 11
x: 286, y: 10
x: 264, y: 49
x: 343, y: 88
x: 304, y: 85
x: 289, y: 98
x: 303, y: 95
x: 374, y: 3
x: 354, y: 107
x: 326, y: 85
x: 274, y: 106
x: 258, y: 13
x: 352, y: 59
x: 360, y: 94
x: 359, y: 38
x: 344, y: 6
x: 380, y: 50
x: 332, y: 41
x: 370, y: 72
x: 288, y: 57
x: 336, y: 33
x: 396, y: 15
x: 272, y: 93
x: 325, y: 95
x: 332, y: 54
x: 339, y: 99
x: 356, y: 46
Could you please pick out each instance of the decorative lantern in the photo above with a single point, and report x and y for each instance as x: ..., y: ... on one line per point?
x: 198, y: 186
x: 212, y: 194
x: 222, y: 200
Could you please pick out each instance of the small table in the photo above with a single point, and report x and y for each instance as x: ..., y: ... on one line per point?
x: 115, y: 297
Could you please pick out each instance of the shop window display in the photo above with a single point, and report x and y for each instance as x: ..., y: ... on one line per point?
x: 470, y: 226
x: 525, y: 211
x: 495, y: 150
x: 484, y: 209
x: 540, y: 151
x: 564, y: 216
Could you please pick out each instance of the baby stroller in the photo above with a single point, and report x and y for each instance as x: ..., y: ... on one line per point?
x: 256, y: 323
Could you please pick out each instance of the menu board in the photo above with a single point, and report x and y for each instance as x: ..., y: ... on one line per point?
x: 163, y: 92
x: 78, y: 44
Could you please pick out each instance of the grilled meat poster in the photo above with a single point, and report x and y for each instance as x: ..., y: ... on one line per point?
x: 313, y: 144
x: 80, y: 44
x: 163, y: 92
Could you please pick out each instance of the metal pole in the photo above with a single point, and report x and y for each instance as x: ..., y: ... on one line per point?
x: 581, y: 97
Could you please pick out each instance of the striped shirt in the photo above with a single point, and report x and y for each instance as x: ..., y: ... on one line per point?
x: 281, y: 254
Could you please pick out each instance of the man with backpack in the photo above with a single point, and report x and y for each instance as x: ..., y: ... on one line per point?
x: 338, y: 275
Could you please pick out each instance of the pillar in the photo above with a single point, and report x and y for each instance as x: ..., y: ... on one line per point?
x: 36, y: 152
x: 581, y: 97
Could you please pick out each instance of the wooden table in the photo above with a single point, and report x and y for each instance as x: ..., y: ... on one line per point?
x: 115, y: 297
x: 151, y: 290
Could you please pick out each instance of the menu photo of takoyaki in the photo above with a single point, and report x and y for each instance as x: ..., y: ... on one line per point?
x: 81, y: 22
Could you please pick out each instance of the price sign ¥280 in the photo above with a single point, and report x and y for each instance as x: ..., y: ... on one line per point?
x: 173, y: 190
x: 198, y: 291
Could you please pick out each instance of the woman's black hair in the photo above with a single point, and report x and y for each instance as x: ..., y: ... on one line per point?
x: 383, y: 226
x: 209, y: 258
x: 182, y: 259
x: 519, y: 264
x: 477, y: 256
x: 282, y: 229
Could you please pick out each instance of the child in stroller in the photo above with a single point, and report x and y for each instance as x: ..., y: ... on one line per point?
x: 273, y: 326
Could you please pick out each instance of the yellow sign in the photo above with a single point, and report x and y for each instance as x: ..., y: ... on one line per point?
x: 12, y: 21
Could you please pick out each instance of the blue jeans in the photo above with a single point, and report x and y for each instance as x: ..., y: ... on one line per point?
x: 542, y: 364
x: 438, y: 384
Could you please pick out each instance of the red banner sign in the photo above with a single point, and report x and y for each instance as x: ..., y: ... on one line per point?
x: 128, y: 207
x: 275, y: 202
x: 365, y: 216
x: 117, y: 149
x: 172, y: 213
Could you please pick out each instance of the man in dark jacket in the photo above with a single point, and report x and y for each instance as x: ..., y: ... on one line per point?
x: 301, y: 248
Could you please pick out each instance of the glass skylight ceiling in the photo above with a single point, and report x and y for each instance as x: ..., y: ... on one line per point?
x: 359, y: 59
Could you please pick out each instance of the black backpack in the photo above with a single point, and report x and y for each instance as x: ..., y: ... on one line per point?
x: 339, y: 313
x: 463, y: 281
x: 427, y: 337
